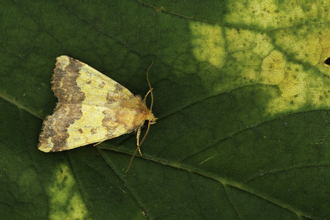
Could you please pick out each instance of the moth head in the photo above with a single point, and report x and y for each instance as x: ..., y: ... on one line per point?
x: 150, y: 119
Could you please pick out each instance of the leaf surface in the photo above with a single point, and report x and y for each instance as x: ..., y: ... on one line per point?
x: 241, y: 91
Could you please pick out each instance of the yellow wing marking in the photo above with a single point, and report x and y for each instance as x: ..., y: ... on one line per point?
x: 94, y: 127
x: 76, y: 82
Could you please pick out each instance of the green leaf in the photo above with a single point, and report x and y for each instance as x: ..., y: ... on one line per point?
x: 241, y: 93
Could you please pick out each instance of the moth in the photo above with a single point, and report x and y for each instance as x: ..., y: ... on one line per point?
x: 91, y: 108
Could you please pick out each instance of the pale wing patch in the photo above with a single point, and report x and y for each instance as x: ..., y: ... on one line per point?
x: 76, y: 82
x: 100, y: 90
x: 96, y: 124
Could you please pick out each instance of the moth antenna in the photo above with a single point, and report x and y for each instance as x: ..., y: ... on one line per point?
x: 150, y: 89
x: 145, y: 97
x: 138, y: 147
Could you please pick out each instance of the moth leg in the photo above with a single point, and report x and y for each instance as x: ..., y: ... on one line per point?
x: 97, y: 143
x: 138, y: 140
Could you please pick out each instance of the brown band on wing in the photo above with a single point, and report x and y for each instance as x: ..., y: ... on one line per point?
x: 55, y: 127
x: 116, y: 95
x: 109, y: 123
x: 64, y: 82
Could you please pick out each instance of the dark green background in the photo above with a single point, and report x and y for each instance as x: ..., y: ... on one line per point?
x: 213, y: 154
